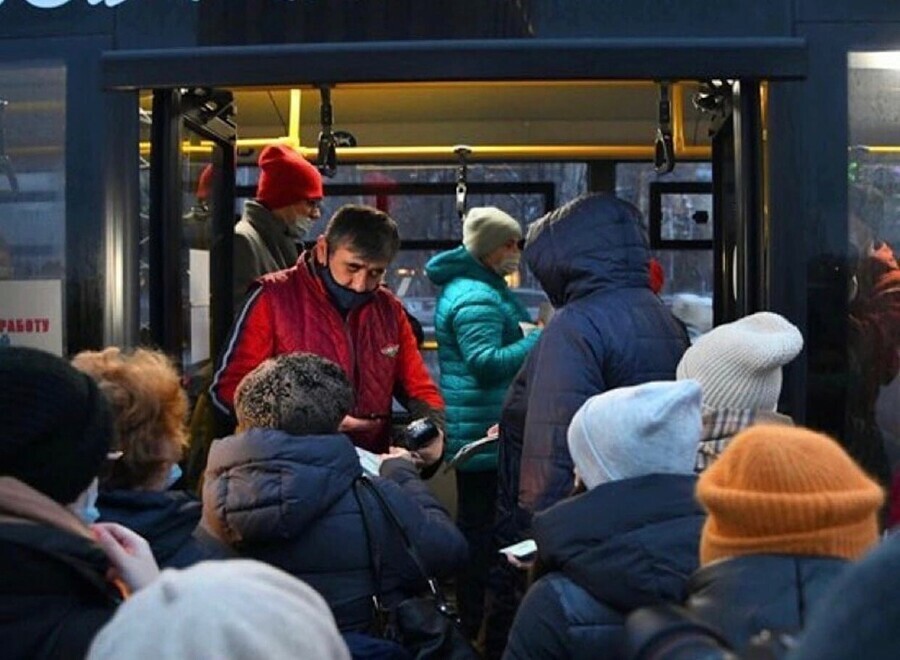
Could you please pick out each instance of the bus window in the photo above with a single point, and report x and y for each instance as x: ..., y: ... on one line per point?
x: 688, y: 289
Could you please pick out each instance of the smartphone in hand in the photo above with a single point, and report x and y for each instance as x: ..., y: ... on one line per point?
x: 525, y: 551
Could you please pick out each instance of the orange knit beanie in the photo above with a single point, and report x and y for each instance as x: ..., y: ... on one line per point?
x: 787, y: 490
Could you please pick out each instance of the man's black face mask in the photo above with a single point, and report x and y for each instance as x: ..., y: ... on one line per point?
x: 344, y: 297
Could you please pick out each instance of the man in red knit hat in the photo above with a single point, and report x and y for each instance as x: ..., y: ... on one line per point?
x: 287, y: 201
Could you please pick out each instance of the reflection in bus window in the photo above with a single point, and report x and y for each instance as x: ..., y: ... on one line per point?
x: 32, y: 171
x: 872, y: 424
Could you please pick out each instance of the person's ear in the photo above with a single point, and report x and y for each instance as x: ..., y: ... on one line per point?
x: 321, y: 251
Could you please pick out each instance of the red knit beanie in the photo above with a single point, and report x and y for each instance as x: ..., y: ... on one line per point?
x: 286, y: 178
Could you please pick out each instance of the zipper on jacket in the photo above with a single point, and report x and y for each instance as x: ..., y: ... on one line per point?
x: 352, y: 348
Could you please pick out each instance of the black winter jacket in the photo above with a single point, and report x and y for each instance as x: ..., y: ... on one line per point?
x: 743, y: 596
x: 289, y: 501
x: 53, y: 593
x: 620, y: 546
x: 610, y: 330
x: 512, y: 521
x: 168, y: 520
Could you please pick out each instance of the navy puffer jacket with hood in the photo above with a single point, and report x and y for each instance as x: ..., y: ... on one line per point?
x: 289, y: 501
x: 620, y: 546
x: 610, y: 330
x: 169, y: 520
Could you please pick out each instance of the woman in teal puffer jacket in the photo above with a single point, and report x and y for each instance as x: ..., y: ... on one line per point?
x: 480, y: 348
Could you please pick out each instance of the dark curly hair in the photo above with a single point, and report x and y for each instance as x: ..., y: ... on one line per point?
x: 298, y: 393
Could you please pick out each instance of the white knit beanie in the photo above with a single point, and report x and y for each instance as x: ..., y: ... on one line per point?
x: 486, y: 228
x: 631, y: 432
x: 222, y: 610
x: 739, y: 364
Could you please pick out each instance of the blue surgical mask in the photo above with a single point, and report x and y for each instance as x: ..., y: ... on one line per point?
x: 85, y: 507
x: 173, y: 476
x: 344, y: 297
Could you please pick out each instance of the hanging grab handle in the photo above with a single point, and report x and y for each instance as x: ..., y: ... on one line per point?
x: 664, y: 146
x: 462, y: 153
x: 329, y: 139
x: 326, y: 158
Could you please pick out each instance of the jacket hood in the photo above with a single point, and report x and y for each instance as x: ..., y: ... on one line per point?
x: 459, y: 262
x: 32, y: 520
x: 167, y: 519
x: 741, y: 596
x: 20, y: 501
x: 628, y: 543
x: 594, y: 242
x: 265, y: 485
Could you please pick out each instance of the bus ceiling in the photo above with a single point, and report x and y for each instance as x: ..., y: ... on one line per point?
x: 509, y: 121
x: 533, y: 99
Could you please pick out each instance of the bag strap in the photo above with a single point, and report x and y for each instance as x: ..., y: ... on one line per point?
x: 410, y: 548
x: 371, y: 542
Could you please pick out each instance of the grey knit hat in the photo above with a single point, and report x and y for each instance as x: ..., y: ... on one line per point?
x: 298, y: 393
x: 238, y: 609
x: 739, y: 364
x: 486, y: 228
x: 631, y: 432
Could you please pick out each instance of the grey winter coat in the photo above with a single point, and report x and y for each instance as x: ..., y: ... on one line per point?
x: 262, y: 244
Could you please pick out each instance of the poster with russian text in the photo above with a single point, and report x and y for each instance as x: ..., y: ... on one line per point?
x: 31, y: 314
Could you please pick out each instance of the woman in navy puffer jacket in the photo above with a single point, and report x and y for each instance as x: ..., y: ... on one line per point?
x: 632, y: 539
x: 283, y: 492
x: 610, y: 330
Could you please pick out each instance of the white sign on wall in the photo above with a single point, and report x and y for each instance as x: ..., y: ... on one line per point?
x: 31, y: 314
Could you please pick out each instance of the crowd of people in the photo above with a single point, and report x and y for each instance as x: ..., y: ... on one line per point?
x: 671, y: 505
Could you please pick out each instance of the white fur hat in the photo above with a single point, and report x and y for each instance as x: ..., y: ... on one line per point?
x: 739, y: 364
x: 236, y: 609
x: 631, y: 432
x: 486, y: 228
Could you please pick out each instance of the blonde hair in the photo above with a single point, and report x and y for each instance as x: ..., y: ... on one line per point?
x: 149, y: 406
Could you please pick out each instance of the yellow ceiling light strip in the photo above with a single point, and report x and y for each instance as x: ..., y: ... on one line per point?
x: 678, y: 118
x: 878, y: 149
x: 294, y: 118
x: 475, y: 84
x: 482, y: 152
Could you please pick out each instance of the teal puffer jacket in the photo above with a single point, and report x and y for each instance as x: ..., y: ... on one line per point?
x: 480, y: 347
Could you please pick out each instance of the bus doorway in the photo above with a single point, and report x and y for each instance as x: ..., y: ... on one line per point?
x: 541, y: 123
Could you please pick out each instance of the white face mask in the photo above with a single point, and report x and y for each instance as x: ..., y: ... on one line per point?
x: 302, y: 225
x: 508, y: 266
x: 85, y: 507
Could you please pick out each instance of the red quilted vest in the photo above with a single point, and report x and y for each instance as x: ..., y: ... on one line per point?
x: 365, y: 344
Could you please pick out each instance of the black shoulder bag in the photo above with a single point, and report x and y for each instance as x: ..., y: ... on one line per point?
x: 425, y: 625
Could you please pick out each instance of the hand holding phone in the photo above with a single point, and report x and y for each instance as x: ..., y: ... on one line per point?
x: 522, y: 554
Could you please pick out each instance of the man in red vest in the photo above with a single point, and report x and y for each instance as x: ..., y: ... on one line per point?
x: 331, y: 303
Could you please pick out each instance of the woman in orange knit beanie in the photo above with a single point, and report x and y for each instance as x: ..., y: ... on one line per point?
x: 787, y: 509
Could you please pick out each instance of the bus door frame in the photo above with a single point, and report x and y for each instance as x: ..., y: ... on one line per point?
x: 166, y: 71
